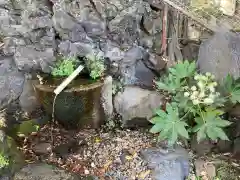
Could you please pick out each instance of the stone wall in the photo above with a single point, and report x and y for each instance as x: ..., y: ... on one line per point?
x: 34, y: 32
x: 126, y: 32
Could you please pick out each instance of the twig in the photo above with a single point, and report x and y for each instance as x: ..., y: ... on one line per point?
x: 164, y: 31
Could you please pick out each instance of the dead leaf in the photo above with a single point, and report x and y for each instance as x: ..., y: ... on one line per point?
x: 107, y: 164
x: 97, y: 140
x: 144, y: 174
x: 128, y: 158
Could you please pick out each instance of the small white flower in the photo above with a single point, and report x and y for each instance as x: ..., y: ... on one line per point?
x: 215, y: 84
x: 192, y: 97
x: 204, y: 78
x: 213, y: 77
x: 193, y: 88
x: 195, y: 93
x: 195, y: 101
x: 186, y: 94
x: 208, y: 101
x: 200, y: 84
x: 211, y: 88
x: 217, y: 94
x: 201, y: 94
x: 208, y: 74
x: 196, y: 77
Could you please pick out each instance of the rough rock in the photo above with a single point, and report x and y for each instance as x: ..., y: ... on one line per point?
x: 134, y: 71
x: 220, y: 55
x: 28, y: 100
x: 125, y: 27
x: 14, y: 158
x: 167, y: 164
x: 106, y: 97
x: 28, y: 58
x: 201, y: 148
x: 236, y: 148
x: 44, y: 172
x: 11, y: 81
x: 42, y: 148
x: 136, y: 104
x: 205, y: 169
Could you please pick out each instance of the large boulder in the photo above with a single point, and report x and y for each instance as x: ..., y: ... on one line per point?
x: 136, y: 105
x: 11, y: 81
x: 43, y: 171
x: 167, y: 164
x: 11, y: 158
x: 220, y: 55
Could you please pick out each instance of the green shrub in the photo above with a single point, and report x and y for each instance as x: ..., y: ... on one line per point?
x: 4, y: 162
x: 65, y: 67
x: 95, y: 65
x: 196, y: 103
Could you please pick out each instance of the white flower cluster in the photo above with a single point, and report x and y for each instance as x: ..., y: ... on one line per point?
x: 204, y: 92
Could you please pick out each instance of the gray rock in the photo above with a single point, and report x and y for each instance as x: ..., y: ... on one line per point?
x: 76, y: 49
x: 236, y: 148
x: 81, y: 12
x: 167, y: 164
x: 206, y: 167
x: 13, y: 157
x: 28, y: 58
x: 134, y: 71
x: 224, y: 146
x: 28, y: 100
x: 136, y: 104
x: 11, y: 82
x: 42, y: 148
x: 201, y: 148
x: 220, y: 55
x: 44, y: 172
x: 106, y: 97
x: 125, y: 27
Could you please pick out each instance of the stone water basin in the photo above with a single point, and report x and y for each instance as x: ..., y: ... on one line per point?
x: 78, y: 106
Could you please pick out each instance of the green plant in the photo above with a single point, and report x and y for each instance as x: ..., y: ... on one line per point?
x: 196, y: 104
x: 65, y: 67
x: 3, y: 161
x: 95, y: 65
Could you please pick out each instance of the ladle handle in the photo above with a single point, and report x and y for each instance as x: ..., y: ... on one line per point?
x: 69, y: 79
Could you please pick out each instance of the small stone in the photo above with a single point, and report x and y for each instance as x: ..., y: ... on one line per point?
x: 86, y: 172
x: 93, y: 165
x: 42, y: 148
x: 204, y: 168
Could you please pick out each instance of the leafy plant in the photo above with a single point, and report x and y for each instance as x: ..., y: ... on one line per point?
x: 95, y: 65
x: 195, y: 104
x: 65, y: 67
x: 3, y: 161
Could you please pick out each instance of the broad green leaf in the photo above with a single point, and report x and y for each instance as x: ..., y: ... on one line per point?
x: 160, y: 113
x: 155, y: 119
x: 235, y: 96
x: 220, y: 133
x: 174, y: 136
x: 168, y: 125
x: 212, y: 134
x: 222, y: 123
x: 201, y: 134
x: 183, y: 69
x: 182, y: 130
x: 228, y: 82
x: 156, y: 128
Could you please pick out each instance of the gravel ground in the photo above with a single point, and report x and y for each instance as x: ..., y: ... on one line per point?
x: 108, y: 155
